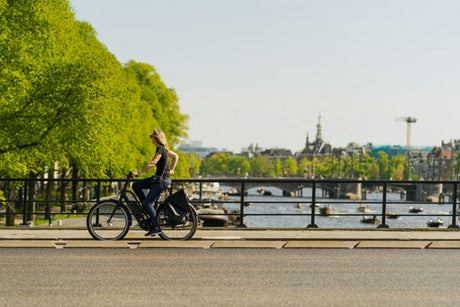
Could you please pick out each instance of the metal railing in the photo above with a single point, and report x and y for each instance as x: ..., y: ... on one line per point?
x: 82, y: 193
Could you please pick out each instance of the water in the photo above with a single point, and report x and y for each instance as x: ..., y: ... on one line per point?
x: 277, y: 204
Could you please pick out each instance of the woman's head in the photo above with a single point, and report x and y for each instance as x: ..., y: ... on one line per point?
x: 159, y: 137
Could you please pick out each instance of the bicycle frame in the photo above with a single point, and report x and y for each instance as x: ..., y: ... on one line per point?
x: 137, y: 210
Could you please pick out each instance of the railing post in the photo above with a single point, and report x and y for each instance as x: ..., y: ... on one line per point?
x: 24, y: 207
x: 454, y: 207
x: 241, y: 223
x: 98, y: 191
x: 313, y: 206
x: 384, y: 207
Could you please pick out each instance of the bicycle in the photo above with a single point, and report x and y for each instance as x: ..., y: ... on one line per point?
x: 111, y: 219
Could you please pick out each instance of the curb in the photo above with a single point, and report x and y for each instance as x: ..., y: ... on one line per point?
x: 236, y: 244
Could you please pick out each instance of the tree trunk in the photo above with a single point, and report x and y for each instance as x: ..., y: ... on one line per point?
x: 10, y: 207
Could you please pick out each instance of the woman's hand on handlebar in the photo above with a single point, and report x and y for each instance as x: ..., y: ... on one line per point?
x: 133, y: 174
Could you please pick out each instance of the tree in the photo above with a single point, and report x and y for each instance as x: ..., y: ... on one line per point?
x: 260, y: 166
x: 304, y: 165
x: 154, y: 106
x: 238, y: 166
x: 60, y: 91
x: 290, y: 166
x: 384, y: 165
x: 398, y: 165
x: 374, y: 171
x: 277, y: 168
x: 324, y: 167
x: 64, y: 97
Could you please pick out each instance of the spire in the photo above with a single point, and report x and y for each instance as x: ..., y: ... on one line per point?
x: 307, y: 143
x: 319, y: 130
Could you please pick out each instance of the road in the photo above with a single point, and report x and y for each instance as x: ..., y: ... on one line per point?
x: 224, y: 277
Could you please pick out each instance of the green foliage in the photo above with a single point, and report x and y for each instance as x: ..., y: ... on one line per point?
x: 456, y: 164
x: 354, y: 166
x: 64, y: 97
x: 290, y: 167
x: 261, y: 167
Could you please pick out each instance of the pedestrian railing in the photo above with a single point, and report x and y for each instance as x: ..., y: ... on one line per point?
x: 42, y: 200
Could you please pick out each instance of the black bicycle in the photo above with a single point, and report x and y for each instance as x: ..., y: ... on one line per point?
x: 111, y: 219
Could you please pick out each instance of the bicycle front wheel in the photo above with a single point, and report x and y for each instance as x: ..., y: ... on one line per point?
x: 108, y: 220
x: 184, y: 231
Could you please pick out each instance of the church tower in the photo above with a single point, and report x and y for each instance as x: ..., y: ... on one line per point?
x: 319, y: 131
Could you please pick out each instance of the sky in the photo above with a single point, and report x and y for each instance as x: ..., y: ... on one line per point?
x: 263, y: 71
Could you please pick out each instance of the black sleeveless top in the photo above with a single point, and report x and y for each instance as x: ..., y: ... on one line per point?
x: 163, y: 163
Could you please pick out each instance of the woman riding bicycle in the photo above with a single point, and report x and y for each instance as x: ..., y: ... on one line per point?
x: 163, y: 173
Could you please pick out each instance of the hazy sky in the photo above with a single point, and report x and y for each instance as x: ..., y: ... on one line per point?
x: 249, y: 71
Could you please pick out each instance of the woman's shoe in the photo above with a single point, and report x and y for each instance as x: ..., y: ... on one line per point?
x: 153, y: 232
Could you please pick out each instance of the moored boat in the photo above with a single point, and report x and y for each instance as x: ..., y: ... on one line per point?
x: 370, y: 220
x: 218, y: 217
x: 264, y: 191
x: 393, y: 215
x: 363, y: 208
x: 415, y: 209
x: 326, y: 210
x: 435, y: 222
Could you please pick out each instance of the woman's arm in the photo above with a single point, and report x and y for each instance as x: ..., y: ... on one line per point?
x: 149, y: 165
x: 174, y: 158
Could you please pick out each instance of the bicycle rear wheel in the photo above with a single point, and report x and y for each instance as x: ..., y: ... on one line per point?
x: 108, y: 220
x: 184, y: 231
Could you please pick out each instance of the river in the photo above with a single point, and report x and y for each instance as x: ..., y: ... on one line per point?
x: 298, y: 206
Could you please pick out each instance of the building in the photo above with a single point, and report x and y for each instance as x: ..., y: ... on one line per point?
x: 398, y: 150
x: 277, y: 153
x: 317, y: 147
x: 197, y: 147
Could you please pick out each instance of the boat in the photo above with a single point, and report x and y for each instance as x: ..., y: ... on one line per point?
x: 370, y: 220
x: 363, y: 208
x: 264, y: 191
x: 435, y: 223
x: 415, y: 209
x: 393, y: 215
x: 235, y: 192
x: 326, y: 210
x: 213, y: 216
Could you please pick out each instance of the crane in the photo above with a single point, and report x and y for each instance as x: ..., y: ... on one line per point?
x: 409, y: 120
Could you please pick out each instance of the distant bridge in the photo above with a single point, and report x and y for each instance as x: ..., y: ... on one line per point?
x: 338, y: 188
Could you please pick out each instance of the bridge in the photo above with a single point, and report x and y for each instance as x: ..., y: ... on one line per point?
x: 293, y: 186
x: 341, y: 188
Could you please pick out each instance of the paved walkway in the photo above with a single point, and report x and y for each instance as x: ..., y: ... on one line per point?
x: 239, y: 238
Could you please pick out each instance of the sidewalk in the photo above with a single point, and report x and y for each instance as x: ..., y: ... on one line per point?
x: 239, y: 238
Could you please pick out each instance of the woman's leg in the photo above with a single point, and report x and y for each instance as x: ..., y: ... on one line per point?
x: 140, y: 185
x: 151, y: 198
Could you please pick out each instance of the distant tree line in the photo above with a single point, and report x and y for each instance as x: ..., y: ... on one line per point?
x: 348, y: 166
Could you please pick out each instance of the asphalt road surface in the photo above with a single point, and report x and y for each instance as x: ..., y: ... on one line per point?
x: 228, y: 277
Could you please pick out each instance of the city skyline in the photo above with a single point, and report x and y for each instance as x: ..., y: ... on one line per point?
x: 261, y: 72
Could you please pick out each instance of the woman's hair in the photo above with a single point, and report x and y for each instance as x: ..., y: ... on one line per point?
x: 159, y: 136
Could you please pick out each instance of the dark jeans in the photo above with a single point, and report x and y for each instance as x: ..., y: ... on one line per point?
x: 152, y: 196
